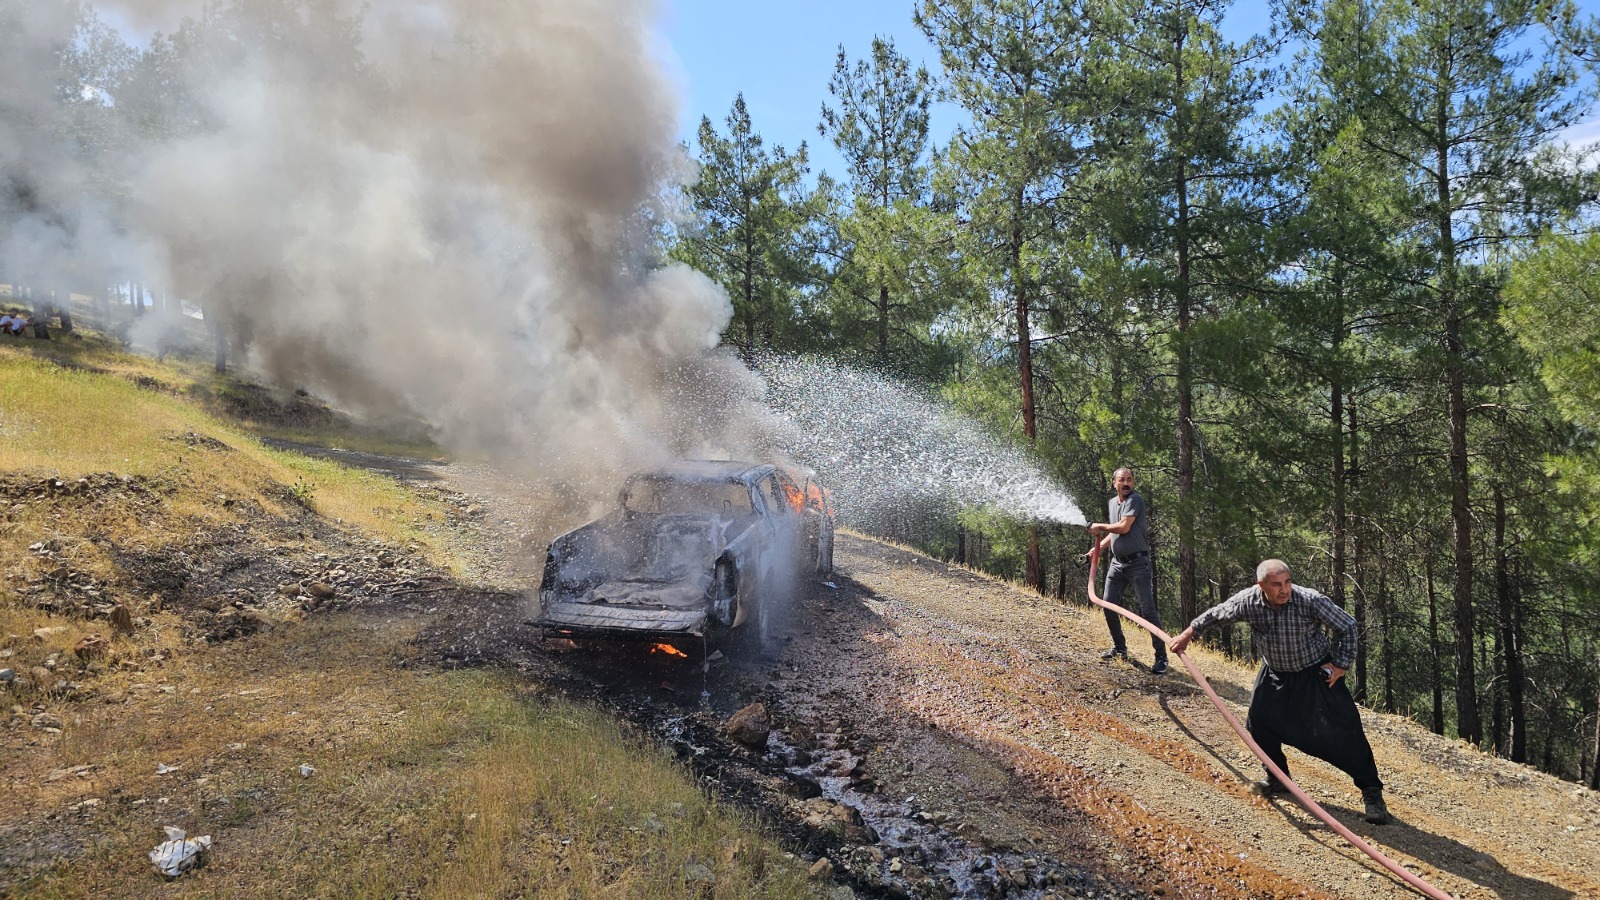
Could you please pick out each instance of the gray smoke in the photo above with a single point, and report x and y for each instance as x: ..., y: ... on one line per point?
x: 437, y: 209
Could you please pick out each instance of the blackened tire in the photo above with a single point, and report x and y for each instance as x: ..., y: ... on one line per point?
x: 725, y: 595
x: 753, y: 634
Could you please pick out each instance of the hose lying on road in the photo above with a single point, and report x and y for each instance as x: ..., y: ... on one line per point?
x: 1283, y: 778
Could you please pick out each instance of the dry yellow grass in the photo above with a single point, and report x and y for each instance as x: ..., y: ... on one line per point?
x: 436, y: 784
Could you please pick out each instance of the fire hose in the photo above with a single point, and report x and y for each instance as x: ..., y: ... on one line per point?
x: 1283, y: 778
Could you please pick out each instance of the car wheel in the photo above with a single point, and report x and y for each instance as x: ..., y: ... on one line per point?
x: 745, y: 618
x: 754, y: 626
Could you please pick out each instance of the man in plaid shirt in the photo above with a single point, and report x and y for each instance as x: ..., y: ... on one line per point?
x: 1300, y: 698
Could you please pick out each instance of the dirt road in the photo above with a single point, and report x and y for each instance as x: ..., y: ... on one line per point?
x: 1006, y: 693
x: 940, y: 733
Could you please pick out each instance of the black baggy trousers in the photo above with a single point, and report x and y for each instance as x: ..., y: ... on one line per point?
x: 1299, y: 709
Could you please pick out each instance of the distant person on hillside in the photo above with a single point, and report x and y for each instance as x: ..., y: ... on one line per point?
x: 5, y: 322
x: 1125, y: 534
x: 1300, y: 698
x: 14, y: 323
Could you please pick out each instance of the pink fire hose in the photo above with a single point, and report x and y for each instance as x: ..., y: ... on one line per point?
x: 1283, y: 778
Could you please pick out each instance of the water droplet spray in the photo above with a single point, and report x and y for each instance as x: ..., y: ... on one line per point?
x: 884, y: 444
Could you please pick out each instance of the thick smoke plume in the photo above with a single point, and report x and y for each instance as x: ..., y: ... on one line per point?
x: 437, y: 209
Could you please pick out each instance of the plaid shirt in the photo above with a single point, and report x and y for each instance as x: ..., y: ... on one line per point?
x: 1290, y: 638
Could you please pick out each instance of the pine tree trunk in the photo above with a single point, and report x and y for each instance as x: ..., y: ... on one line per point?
x: 1497, y: 696
x: 1336, y: 420
x: 41, y: 317
x: 1359, y: 567
x: 748, y: 286
x: 63, y: 309
x: 1433, y: 646
x: 1025, y: 367
x: 1340, y: 526
x: 1212, y: 590
x: 219, y: 337
x: 1385, y: 610
x: 1063, y: 563
x: 1469, y: 722
x: 883, y: 323
x: 1510, y: 639
x: 1187, y: 569
x: 1594, y: 757
x: 1360, y: 613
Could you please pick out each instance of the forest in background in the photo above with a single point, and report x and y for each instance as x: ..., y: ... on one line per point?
x: 1338, y: 310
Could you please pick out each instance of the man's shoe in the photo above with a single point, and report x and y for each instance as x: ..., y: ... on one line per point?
x: 1160, y: 668
x: 1268, y: 787
x: 1376, y: 813
x: 1113, y: 653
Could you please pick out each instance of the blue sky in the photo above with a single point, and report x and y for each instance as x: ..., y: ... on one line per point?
x: 780, y: 54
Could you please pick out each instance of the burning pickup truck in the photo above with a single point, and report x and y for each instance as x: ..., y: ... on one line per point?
x: 695, y: 548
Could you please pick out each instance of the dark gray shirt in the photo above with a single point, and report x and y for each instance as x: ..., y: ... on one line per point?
x: 1136, y: 539
x: 1292, y: 637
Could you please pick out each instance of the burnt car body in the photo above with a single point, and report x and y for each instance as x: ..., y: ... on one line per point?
x: 695, y: 548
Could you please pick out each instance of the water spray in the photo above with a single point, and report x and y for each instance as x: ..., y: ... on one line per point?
x: 885, y: 445
x: 1283, y: 778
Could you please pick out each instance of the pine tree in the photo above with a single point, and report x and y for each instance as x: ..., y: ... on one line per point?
x: 1017, y: 68
x: 754, y: 231
x: 1460, y: 105
x: 880, y: 125
x: 1189, y: 198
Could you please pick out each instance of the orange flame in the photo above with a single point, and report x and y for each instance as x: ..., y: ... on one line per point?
x: 668, y: 649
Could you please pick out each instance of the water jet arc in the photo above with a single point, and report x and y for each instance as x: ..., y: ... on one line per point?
x: 1310, y: 805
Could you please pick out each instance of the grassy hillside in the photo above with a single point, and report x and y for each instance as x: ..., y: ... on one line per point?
x: 189, y: 617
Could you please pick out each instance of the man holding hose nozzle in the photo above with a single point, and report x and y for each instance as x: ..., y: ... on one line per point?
x: 1125, y: 534
x: 1299, y: 697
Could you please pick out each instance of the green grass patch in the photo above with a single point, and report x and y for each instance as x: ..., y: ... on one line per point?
x: 72, y: 420
x: 65, y: 422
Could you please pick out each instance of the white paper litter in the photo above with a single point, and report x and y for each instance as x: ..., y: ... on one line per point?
x: 306, y: 770
x: 178, y: 854
x: 831, y: 584
x: 163, y: 768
